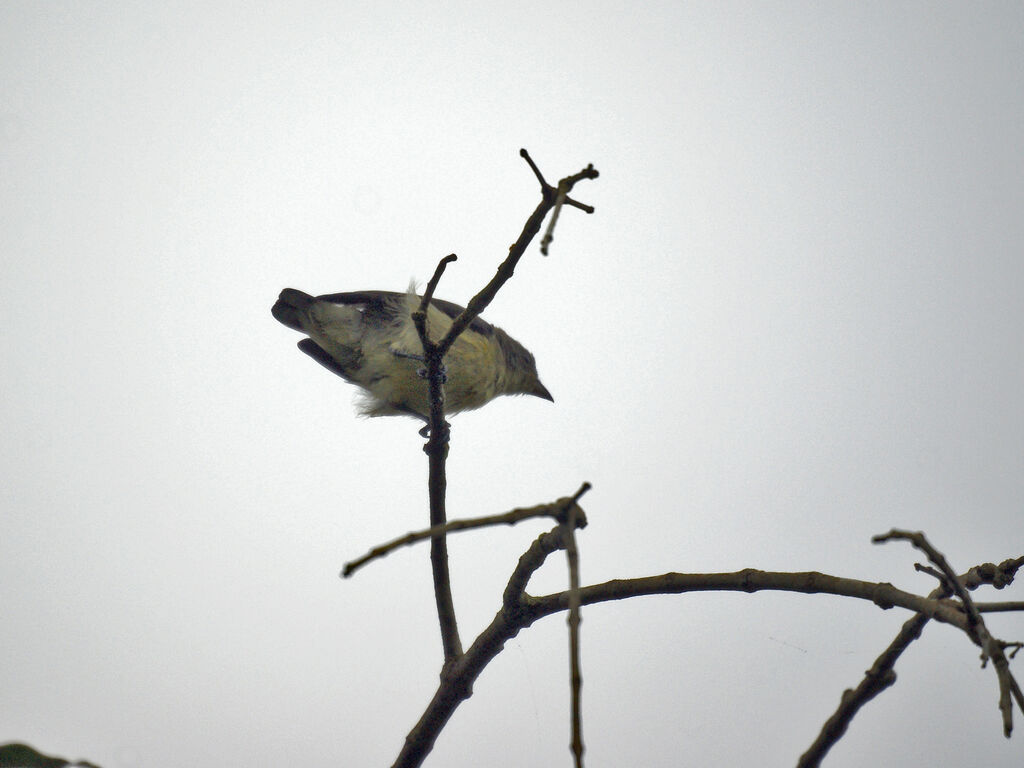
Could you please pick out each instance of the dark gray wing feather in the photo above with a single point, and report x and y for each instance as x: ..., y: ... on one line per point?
x: 311, y: 348
x: 384, y: 302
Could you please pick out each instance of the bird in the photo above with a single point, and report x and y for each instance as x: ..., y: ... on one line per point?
x: 368, y: 338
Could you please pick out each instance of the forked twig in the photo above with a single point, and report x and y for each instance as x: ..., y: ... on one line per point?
x: 991, y: 647
x: 436, y: 447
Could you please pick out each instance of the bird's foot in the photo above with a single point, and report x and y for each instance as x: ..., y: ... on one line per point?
x: 407, y: 355
x: 421, y: 372
x: 445, y: 429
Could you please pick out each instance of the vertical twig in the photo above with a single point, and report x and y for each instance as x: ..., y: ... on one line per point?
x: 574, y: 620
x: 437, y: 483
x: 457, y: 686
x: 433, y: 355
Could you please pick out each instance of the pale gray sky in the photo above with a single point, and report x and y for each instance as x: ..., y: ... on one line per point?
x: 794, y: 321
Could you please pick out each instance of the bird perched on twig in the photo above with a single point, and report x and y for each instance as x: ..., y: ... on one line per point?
x: 369, y: 339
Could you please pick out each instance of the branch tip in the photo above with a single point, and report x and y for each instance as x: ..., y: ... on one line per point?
x: 583, y: 489
x: 536, y: 171
x: 428, y: 294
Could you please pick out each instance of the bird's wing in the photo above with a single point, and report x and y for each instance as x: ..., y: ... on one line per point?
x: 312, y: 349
x: 389, y: 303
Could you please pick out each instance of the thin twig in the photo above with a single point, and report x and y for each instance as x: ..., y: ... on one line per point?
x: 457, y: 685
x: 920, y: 542
x: 933, y: 572
x: 562, y: 198
x: 536, y: 171
x: 575, y: 673
x: 506, y: 269
x: 558, y: 510
x: 419, y: 317
x: 433, y: 354
x: 991, y: 647
x: 877, y: 679
x: 549, y: 233
x: 880, y: 676
x: 428, y: 294
x: 1015, y: 605
x: 437, y: 482
x: 437, y: 445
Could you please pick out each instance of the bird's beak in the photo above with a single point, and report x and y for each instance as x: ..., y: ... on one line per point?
x: 541, y: 391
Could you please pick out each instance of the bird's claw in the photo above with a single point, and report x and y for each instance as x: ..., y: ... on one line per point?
x: 422, y: 373
x: 445, y: 426
x: 407, y: 355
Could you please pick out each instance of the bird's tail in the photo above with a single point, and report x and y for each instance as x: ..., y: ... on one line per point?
x: 291, y: 306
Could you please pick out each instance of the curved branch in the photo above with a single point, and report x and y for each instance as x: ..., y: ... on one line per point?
x: 883, y: 594
x: 520, y: 610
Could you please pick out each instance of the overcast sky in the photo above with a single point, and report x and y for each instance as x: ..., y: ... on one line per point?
x: 794, y: 321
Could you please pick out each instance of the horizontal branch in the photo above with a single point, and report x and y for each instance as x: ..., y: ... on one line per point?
x: 883, y: 595
x: 519, y: 610
x: 1017, y: 605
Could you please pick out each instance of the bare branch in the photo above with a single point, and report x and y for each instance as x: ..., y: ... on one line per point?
x: 1017, y: 605
x: 558, y: 510
x: 419, y: 317
x: 437, y: 482
x: 536, y: 171
x: 880, y: 676
x: 749, y: 580
x: 549, y: 233
x: 428, y: 294
x: 575, y: 674
x: 506, y: 269
x: 437, y: 445
x: 877, y: 679
x: 457, y: 684
x: 562, y: 198
x: 939, y: 560
x: 991, y: 647
x: 520, y: 610
x: 934, y: 573
x: 582, y: 206
x: 998, y: 576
